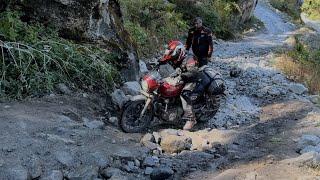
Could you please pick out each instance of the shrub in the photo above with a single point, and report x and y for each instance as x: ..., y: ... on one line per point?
x: 220, y: 16
x: 312, y: 8
x: 151, y: 23
x: 302, y: 64
x: 288, y: 6
x: 34, y: 59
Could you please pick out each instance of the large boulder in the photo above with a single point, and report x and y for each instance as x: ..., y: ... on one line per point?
x: 175, y: 144
x: 131, y: 88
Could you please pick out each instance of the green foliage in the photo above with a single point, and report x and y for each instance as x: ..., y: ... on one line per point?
x: 151, y: 23
x: 218, y: 15
x: 33, y: 59
x: 312, y: 8
x: 288, y: 6
x: 307, y: 64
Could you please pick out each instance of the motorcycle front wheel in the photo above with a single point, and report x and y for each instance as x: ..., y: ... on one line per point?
x: 130, y: 120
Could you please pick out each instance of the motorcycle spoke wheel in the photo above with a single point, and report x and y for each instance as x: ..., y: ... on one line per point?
x: 131, y: 121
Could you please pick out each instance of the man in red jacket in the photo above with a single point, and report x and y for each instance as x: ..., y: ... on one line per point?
x: 200, y: 39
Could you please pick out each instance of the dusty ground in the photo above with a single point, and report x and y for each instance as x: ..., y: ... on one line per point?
x: 254, y: 135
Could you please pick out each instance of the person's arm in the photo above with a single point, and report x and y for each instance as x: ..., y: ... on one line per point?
x: 190, y: 76
x: 189, y: 39
x: 210, y: 42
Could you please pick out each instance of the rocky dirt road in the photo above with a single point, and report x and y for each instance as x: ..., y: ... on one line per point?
x: 260, y: 131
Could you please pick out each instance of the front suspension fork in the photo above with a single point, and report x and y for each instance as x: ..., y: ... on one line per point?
x: 146, y: 105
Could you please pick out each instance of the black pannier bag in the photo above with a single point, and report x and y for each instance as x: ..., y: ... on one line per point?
x: 217, y: 85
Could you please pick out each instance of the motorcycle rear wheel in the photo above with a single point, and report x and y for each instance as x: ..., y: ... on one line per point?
x: 130, y: 120
x: 210, y: 108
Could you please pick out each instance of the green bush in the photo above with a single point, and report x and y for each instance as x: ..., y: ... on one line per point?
x: 312, y: 8
x: 33, y: 59
x: 219, y: 15
x: 151, y: 23
x: 288, y: 6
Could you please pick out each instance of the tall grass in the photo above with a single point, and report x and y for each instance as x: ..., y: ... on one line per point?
x: 33, y: 59
x: 302, y: 64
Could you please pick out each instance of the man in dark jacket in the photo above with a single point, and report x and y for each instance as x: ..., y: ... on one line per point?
x: 200, y: 39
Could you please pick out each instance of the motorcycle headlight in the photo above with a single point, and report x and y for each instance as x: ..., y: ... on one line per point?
x: 144, y: 85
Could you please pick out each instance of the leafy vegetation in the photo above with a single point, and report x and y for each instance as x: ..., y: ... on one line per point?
x: 302, y: 64
x: 312, y: 8
x: 33, y: 59
x: 151, y: 23
x: 288, y: 6
x: 219, y: 15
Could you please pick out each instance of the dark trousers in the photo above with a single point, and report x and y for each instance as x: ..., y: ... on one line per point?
x: 202, y: 61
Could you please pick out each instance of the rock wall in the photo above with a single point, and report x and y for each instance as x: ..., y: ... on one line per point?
x: 247, y: 8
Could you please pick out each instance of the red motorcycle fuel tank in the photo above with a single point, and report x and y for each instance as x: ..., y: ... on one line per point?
x: 168, y: 90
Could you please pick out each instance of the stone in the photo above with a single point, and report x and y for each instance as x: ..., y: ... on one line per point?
x: 88, y: 172
x: 53, y: 175
x: 131, y: 166
x: 113, y: 120
x: 137, y: 163
x: 63, y: 88
x: 119, y: 177
x: 148, y: 170
x: 65, y: 158
x: 175, y: 144
x: 35, y: 167
x: 131, y: 88
x: 315, y: 99
x: 157, y: 137
x: 297, y: 88
x: 304, y: 159
x: 119, y: 98
x: 161, y: 173
x: 308, y: 140
x: 143, y: 67
x: 110, y: 172
x: 148, y: 141
x: 151, y: 161
x: 93, y: 124
x: 18, y: 173
x: 147, y: 138
x: 308, y: 149
x: 268, y: 90
x: 100, y: 159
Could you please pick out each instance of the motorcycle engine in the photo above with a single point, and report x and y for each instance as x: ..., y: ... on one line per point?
x: 172, y: 113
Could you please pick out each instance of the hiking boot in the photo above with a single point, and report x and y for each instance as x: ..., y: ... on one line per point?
x: 189, y: 125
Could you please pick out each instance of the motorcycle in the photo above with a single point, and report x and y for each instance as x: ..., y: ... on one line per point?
x: 160, y: 98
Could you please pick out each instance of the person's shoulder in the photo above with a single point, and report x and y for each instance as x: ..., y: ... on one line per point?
x: 207, y: 30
